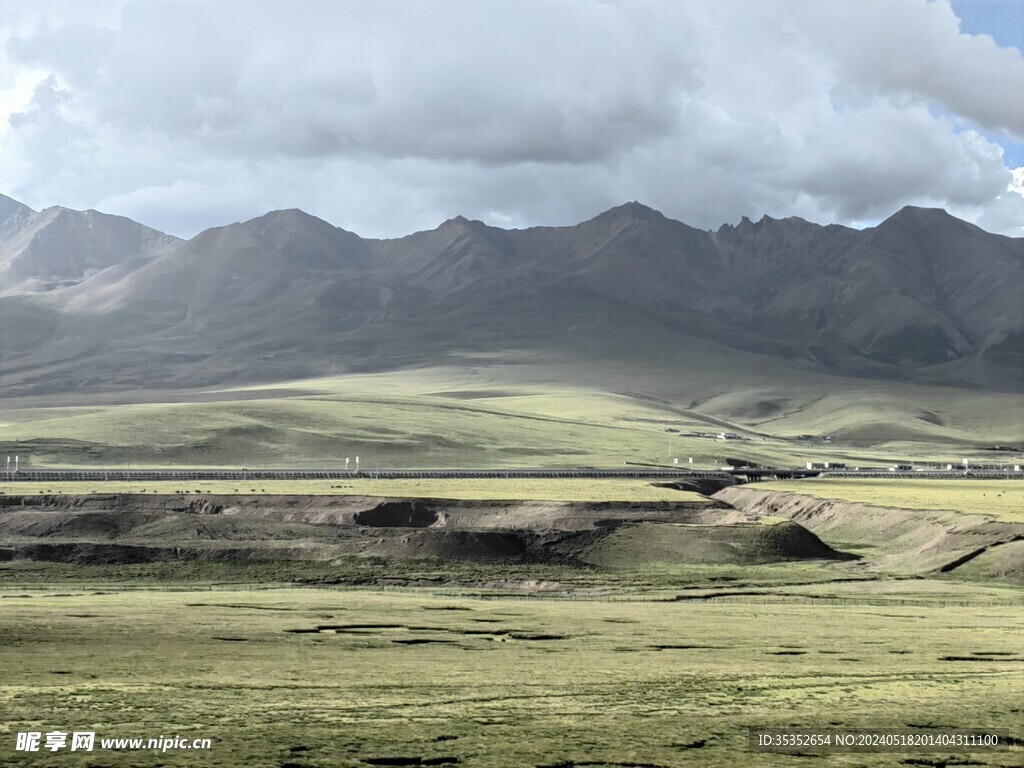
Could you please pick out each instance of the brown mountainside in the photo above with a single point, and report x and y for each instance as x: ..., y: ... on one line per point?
x: 86, y: 297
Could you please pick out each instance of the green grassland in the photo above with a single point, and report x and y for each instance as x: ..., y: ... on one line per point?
x: 567, y: 489
x: 480, y: 413
x: 661, y: 581
x: 608, y: 663
x: 1002, y: 499
x: 324, y: 677
x: 813, y: 583
x: 660, y: 651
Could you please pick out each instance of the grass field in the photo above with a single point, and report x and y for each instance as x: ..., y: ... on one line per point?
x: 651, y: 654
x: 1003, y: 499
x: 545, y: 665
x: 512, y: 416
x: 648, y: 582
x: 321, y: 431
x: 353, y: 678
x: 482, y: 489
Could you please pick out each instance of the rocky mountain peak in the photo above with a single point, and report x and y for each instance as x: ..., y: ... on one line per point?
x: 921, y: 292
x: 632, y: 211
x: 9, y: 208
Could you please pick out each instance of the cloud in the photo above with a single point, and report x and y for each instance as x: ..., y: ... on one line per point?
x: 48, y: 142
x: 1005, y: 213
x: 75, y: 50
x: 486, y: 83
x: 389, y: 118
x: 1016, y: 181
x: 915, y: 50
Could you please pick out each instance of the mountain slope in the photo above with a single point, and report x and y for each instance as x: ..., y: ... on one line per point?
x: 97, y: 302
x: 12, y: 212
x: 58, y: 247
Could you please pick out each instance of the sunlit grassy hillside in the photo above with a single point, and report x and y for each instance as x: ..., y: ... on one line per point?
x: 1003, y: 499
x: 510, y: 416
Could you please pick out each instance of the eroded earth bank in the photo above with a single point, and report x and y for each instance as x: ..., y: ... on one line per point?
x: 124, y: 529
x: 898, y: 541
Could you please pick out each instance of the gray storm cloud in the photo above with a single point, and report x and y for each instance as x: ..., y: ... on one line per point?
x: 385, y: 118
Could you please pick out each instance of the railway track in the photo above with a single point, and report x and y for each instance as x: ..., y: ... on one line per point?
x: 58, y: 475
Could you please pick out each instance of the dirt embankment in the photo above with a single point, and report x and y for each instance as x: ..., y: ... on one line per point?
x: 143, y: 528
x: 48, y: 515
x: 898, y: 540
x: 744, y: 544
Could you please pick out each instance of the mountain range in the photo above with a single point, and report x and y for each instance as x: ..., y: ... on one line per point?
x: 92, y: 302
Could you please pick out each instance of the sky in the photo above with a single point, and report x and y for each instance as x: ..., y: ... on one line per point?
x: 389, y: 117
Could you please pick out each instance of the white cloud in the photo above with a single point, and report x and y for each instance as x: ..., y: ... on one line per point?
x: 389, y: 118
x: 1005, y: 213
x: 1016, y: 181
